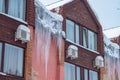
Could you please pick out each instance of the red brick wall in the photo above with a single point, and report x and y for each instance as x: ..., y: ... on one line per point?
x: 30, y: 18
x: 8, y: 28
x: 80, y: 12
x: 30, y: 12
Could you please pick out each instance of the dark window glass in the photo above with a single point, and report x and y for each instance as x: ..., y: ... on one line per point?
x: 85, y: 37
x: 95, y: 42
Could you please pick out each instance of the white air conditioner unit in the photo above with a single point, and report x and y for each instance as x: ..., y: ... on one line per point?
x: 22, y: 33
x: 72, y: 52
x: 99, y: 62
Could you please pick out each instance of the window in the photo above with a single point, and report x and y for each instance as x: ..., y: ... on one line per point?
x: 81, y: 35
x: 93, y: 75
x: 2, y: 5
x: 69, y: 71
x: 14, y: 8
x: 85, y: 37
x: 72, y: 72
x: 92, y: 40
x: 72, y: 31
x: 77, y: 40
x: 12, y: 60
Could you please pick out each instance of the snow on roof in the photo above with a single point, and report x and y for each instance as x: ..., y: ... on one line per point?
x: 53, y: 15
x: 111, y: 48
x: 47, y: 19
x: 58, y: 4
x: 112, y: 32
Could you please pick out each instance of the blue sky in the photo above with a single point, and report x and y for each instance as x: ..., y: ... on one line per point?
x: 108, y: 11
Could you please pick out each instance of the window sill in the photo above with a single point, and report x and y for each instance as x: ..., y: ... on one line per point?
x: 11, y: 77
x: 4, y: 74
x: 15, y: 18
x: 82, y: 46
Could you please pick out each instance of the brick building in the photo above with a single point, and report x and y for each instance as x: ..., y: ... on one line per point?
x: 81, y: 28
x: 15, y: 58
x: 84, y: 32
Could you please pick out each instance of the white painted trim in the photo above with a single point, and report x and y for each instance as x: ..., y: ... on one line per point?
x: 15, y: 18
x: 58, y: 4
x: 1, y: 73
x: 82, y: 46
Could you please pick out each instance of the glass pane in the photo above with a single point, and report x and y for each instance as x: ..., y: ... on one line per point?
x: 77, y: 34
x: 85, y: 74
x: 95, y: 42
x: 16, y: 8
x: 13, y: 60
x: 20, y: 62
x: 0, y: 55
x: 78, y: 73
x: 70, y: 30
x: 91, y: 40
x: 93, y: 75
x: 2, y: 5
x: 85, y: 37
x: 69, y: 71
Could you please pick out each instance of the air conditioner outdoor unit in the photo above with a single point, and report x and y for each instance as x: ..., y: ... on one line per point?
x: 99, y: 62
x: 22, y: 33
x: 72, y: 52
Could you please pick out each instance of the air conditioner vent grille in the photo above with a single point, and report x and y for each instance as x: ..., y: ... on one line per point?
x: 23, y: 34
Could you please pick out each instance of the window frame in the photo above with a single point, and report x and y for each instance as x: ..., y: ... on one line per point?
x: 88, y: 73
x: 81, y: 36
x: 85, y: 69
x: 75, y: 70
x: 86, y: 35
x: 94, y: 38
x: 94, y: 72
x: 6, y: 5
x: 3, y: 57
x: 82, y: 76
x: 75, y: 24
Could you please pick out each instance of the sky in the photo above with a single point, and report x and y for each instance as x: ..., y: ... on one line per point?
x: 107, y: 11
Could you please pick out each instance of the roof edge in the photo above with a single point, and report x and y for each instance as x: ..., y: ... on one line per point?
x: 58, y: 4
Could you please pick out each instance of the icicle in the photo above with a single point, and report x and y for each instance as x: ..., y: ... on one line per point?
x: 112, y: 60
x: 47, y: 25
